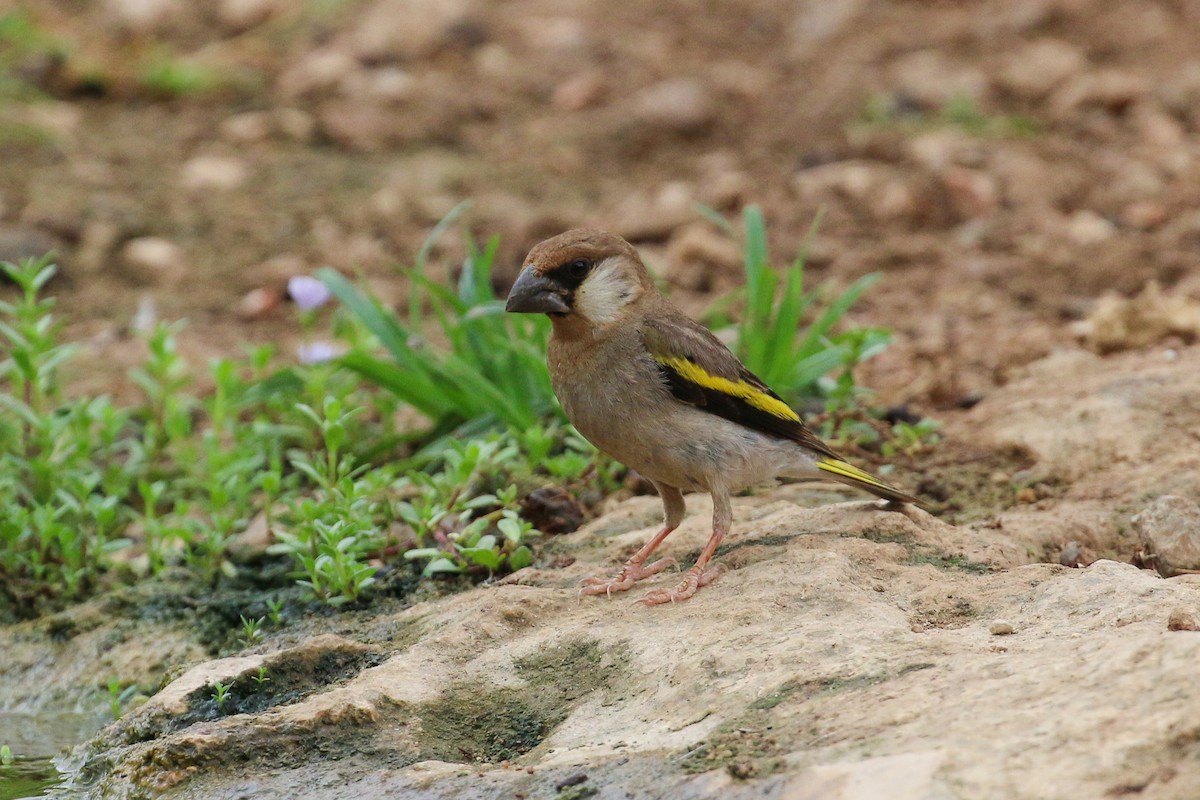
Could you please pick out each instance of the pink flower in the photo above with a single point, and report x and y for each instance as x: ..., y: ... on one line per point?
x: 308, y: 292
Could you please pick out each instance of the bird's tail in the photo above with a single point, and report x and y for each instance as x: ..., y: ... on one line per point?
x: 848, y: 473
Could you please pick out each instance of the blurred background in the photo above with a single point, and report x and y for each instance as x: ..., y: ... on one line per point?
x: 1004, y: 163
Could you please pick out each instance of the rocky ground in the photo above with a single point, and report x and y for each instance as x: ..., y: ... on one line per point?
x: 1025, y: 174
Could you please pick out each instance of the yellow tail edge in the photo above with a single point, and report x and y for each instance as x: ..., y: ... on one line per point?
x: 848, y: 473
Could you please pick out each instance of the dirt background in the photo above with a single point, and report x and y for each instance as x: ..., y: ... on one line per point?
x: 1017, y: 170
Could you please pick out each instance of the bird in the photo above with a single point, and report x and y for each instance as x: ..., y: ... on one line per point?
x: 657, y: 391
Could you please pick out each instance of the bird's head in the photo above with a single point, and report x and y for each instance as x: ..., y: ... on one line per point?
x: 583, y: 276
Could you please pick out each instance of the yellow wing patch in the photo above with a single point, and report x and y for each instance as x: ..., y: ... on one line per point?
x: 756, y: 397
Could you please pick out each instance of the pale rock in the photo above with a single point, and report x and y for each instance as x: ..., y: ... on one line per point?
x: 220, y: 173
x: 258, y: 303
x: 154, y: 261
x: 933, y: 80
x: 876, y: 188
x: 142, y: 16
x: 1169, y: 529
x: 494, y: 60
x: 242, y: 15
x: 972, y: 193
x: 1001, y: 628
x: 406, y: 30
x: 560, y: 34
x: 642, y: 216
x: 938, y: 149
x: 384, y: 85
x: 700, y: 257
x: 580, y: 91
x: 1159, y: 129
x: 1110, y: 89
x: 1085, y: 227
x: 822, y: 20
x: 296, y: 124
x: 1039, y: 68
x: 1181, y: 619
x: 1119, y: 323
x: 248, y: 126
x: 317, y: 71
x: 679, y: 106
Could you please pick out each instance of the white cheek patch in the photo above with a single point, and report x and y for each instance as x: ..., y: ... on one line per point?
x: 607, y: 290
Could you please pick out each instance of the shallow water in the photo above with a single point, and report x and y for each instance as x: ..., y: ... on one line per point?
x: 35, y: 741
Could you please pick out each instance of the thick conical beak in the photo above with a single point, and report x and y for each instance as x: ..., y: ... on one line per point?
x: 534, y: 294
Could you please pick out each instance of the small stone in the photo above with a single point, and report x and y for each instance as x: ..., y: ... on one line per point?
x: 142, y: 16
x: 1001, y: 628
x: 213, y: 172
x: 242, y: 15
x: 681, y: 106
x: 317, y: 71
x: 580, y: 91
x: 296, y: 124
x: 249, y: 126
x: 1086, y: 227
x: 258, y: 303
x: 1039, y: 68
x: 700, y: 257
x: 972, y: 193
x: 1111, y: 90
x: 154, y: 261
x: 643, y: 217
x: 1182, y: 620
x: 932, y: 79
x: 1169, y: 529
x: 552, y: 510
x: 383, y: 85
x: 1070, y: 555
x: 1145, y: 214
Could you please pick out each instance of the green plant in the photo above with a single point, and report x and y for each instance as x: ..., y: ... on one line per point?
x: 170, y: 76
x: 118, y: 697
x: 960, y: 112
x: 773, y: 308
x: 220, y: 693
x: 492, y: 372
x: 261, y: 677
x: 275, y: 611
x: 6, y: 755
x: 251, y: 629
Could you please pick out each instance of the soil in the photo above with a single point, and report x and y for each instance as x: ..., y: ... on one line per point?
x: 1026, y: 176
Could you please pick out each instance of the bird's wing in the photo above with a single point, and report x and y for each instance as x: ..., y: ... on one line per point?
x: 701, y: 371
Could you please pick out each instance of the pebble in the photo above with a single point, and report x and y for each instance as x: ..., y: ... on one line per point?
x: 580, y: 91
x: 242, y: 15
x: 142, y: 16
x: 213, y: 172
x: 248, y: 126
x: 933, y: 80
x: 680, y: 106
x: 154, y: 260
x: 699, y: 257
x: 1001, y: 628
x: 1070, y: 555
x: 1169, y: 529
x: 258, y: 303
x: 1182, y: 620
x: 1038, y: 68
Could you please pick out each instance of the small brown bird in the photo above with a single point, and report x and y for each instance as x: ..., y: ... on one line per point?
x: 662, y: 395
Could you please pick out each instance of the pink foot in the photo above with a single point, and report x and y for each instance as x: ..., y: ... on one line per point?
x: 629, y: 575
x: 692, y: 581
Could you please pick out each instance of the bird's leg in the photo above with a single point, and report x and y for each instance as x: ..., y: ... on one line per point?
x: 700, y: 574
x: 636, y: 567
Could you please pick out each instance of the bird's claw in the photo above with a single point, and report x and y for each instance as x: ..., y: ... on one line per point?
x: 691, y: 583
x: 630, y: 574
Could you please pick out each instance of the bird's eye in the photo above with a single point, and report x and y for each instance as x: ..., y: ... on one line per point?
x: 579, y: 268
